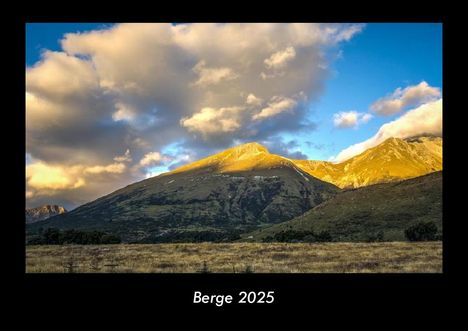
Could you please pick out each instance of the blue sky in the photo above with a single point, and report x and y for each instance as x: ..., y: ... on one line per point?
x: 372, y: 64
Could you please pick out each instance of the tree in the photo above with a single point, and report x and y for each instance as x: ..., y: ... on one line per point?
x: 110, y: 239
x: 422, y: 231
x: 323, y: 236
x: 52, y: 236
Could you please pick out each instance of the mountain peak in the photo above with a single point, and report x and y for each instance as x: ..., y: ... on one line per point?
x: 43, y: 212
x: 245, y: 157
x: 392, y: 160
x: 248, y: 149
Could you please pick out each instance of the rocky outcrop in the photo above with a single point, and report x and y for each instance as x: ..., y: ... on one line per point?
x: 44, y: 212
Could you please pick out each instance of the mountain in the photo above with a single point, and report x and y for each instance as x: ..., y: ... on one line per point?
x: 361, y: 214
x: 215, y: 198
x: 394, y: 159
x: 41, y: 213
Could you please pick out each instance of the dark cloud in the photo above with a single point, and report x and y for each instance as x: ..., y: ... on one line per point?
x: 289, y: 149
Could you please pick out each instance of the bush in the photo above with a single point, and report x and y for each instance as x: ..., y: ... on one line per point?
x: 323, y: 236
x: 375, y: 237
x: 52, y: 236
x: 293, y: 236
x: 110, y: 239
x: 422, y: 232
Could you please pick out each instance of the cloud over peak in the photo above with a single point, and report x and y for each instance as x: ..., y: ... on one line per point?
x: 425, y: 119
x: 142, y: 87
x: 402, y: 99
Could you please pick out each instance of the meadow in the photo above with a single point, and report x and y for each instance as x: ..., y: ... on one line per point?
x: 384, y: 257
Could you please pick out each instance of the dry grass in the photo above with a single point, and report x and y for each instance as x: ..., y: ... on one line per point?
x: 237, y: 257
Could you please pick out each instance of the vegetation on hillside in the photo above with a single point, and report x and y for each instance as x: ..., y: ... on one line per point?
x: 379, y: 212
x: 52, y: 236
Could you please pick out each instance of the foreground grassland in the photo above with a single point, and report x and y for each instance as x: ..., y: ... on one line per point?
x: 239, y: 257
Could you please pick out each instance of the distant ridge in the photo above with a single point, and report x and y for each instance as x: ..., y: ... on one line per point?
x: 43, y: 212
x: 393, y: 160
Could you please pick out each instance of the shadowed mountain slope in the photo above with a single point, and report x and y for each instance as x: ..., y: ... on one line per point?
x: 233, y: 191
x: 381, y: 210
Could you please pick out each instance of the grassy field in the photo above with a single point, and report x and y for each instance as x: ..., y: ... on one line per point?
x: 387, y: 257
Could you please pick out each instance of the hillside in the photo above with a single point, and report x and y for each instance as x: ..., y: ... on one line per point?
x: 212, y: 199
x: 361, y: 214
x: 394, y: 159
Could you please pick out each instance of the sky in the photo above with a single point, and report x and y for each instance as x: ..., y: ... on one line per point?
x: 111, y: 104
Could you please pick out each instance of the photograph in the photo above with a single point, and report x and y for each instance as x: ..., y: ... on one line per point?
x: 233, y: 148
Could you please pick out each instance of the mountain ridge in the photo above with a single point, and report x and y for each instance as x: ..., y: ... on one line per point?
x: 238, y: 190
x: 393, y: 160
x: 230, y: 192
x: 43, y: 212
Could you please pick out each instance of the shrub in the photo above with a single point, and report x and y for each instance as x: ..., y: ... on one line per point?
x: 375, y: 237
x: 52, y: 236
x: 205, y: 269
x: 301, y: 236
x: 110, y: 239
x: 422, y: 232
x: 248, y: 269
x: 323, y: 236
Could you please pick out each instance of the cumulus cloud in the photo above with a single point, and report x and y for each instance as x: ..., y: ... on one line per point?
x: 211, y: 121
x: 211, y: 76
x: 48, y: 177
x: 151, y: 159
x: 126, y: 157
x: 425, y: 119
x: 252, y: 100
x: 350, y: 119
x: 142, y: 87
x: 114, y: 168
x: 280, y: 59
x: 401, y: 99
x: 290, y: 149
x: 278, y: 105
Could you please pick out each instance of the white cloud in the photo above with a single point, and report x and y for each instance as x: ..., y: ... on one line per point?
x: 278, y: 105
x: 350, y: 119
x: 211, y: 121
x: 212, y: 76
x: 401, y: 99
x: 252, y: 100
x: 152, y: 158
x: 280, y: 59
x: 126, y: 157
x: 59, y: 75
x: 114, y: 168
x: 123, y: 113
x: 42, y: 176
x: 426, y: 119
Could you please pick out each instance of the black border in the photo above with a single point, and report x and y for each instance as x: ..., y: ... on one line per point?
x: 329, y: 291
